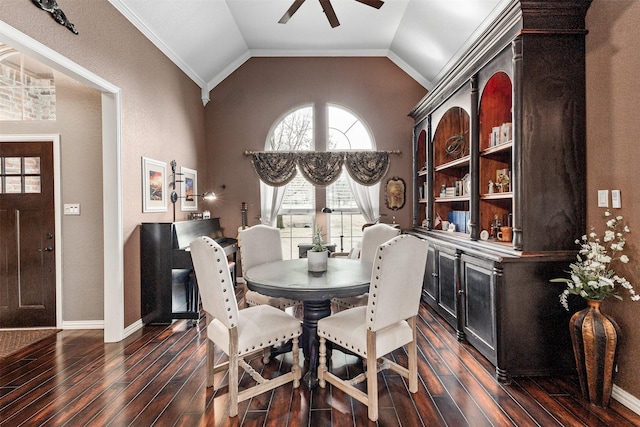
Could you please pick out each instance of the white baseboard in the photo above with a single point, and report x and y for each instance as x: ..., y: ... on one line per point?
x: 83, y: 324
x: 626, y: 399
x: 99, y: 324
x: 132, y: 328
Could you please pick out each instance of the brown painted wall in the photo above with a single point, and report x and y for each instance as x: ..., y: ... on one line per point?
x: 246, y: 104
x: 162, y: 114
x: 162, y: 111
x: 613, y: 151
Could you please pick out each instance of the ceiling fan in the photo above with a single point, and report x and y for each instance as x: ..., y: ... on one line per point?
x: 327, y: 9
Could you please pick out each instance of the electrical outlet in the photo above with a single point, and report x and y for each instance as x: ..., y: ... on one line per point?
x: 603, y: 198
x: 615, y: 199
x: 72, y: 208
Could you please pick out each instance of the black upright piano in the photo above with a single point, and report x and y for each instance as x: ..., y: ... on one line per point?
x: 167, y: 283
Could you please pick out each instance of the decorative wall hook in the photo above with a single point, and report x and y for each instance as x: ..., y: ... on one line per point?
x: 52, y: 7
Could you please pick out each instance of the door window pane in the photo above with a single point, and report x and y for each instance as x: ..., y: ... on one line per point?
x: 13, y: 184
x: 32, y: 184
x: 12, y: 165
x: 20, y: 175
x: 32, y: 165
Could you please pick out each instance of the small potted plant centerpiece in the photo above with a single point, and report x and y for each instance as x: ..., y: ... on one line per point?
x: 318, y: 254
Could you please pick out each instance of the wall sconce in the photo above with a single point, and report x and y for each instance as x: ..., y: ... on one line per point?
x: 208, y: 195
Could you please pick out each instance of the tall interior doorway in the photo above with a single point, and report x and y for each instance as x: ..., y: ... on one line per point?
x: 27, y: 235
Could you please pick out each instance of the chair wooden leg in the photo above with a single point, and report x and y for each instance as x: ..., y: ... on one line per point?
x: 412, y: 353
x: 233, y: 372
x: 210, y: 362
x: 322, y: 365
x: 295, y: 348
x: 372, y: 376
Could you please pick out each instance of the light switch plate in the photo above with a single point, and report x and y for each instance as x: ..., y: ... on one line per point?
x: 603, y: 198
x: 72, y: 208
x: 615, y: 199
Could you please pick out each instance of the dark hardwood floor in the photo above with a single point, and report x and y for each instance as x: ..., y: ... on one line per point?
x: 157, y: 377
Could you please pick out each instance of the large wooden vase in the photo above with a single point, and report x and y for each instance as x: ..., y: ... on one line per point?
x: 595, y: 339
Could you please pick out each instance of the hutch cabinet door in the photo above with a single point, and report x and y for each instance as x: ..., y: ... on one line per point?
x: 479, y: 279
x: 447, y: 261
x: 430, y: 284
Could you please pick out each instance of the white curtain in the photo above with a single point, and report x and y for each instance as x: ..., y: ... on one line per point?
x: 367, y: 198
x: 270, y: 202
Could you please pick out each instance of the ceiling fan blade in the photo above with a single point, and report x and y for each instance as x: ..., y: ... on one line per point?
x: 289, y: 13
x: 331, y: 14
x: 373, y: 3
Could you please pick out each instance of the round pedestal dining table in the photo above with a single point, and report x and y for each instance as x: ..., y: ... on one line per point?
x: 291, y: 279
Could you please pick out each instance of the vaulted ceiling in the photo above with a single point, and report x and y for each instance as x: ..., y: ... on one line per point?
x: 209, y: 39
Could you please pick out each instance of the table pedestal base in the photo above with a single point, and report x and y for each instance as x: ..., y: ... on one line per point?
x: 313, y: 311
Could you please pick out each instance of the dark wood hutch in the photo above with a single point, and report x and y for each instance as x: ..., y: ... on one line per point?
x: 500, y: 142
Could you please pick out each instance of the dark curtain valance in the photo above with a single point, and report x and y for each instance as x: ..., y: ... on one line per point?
x: 367, y: 167
x: 321, y: 168
x: 275, y: 168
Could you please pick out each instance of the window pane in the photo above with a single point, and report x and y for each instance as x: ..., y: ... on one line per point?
x: 299, y: 196
x: 30, y: 86
x: 13, y: 184
x: 339, y: 196
x: 346, y: 230
x: 294, y: 132
x: 294, y: 230
x: 32, y: 165
x: 12, y: 165
x: 32, y: 184
x: 346, y: 131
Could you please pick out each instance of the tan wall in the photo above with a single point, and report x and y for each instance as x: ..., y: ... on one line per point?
x: 162, y: 114
x: 162, y: 111
x: 613, y: 151
x: 78, y: 122
x: 246, y: 104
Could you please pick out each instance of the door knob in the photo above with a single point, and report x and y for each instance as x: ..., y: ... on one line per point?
x: 47, y: 249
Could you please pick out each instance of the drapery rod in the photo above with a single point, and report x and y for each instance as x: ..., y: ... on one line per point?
x: 250, y: 153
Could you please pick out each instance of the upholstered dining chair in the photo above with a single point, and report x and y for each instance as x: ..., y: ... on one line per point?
x: 260, y: 244
x: 240, y: 334
x: 387, y: 323
x: 372, y: 237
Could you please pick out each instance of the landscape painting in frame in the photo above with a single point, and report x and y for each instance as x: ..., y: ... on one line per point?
x: 189, y: 200
x: 154, y: 185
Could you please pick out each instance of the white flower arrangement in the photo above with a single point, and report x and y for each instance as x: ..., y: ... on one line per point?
x: 591, y: 276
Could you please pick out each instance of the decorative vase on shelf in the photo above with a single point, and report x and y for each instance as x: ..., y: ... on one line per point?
x: 318, y: 261
x: 594, y: 336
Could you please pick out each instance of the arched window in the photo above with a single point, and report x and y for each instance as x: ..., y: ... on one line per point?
x: 295, y: 205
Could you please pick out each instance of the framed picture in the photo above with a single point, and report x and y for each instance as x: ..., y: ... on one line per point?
x: 154, y: 185
x: 394, y: 193
x: 188, y: 189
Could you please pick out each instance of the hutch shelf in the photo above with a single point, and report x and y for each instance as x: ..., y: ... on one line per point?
x: 499, y: 151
